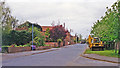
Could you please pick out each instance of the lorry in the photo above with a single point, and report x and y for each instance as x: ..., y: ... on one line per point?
x: 95, y: 44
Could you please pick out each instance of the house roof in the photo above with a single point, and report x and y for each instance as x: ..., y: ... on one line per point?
x: 44, y: 28
x: 28, y: 25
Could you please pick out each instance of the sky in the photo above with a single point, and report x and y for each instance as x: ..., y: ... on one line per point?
x: 78, y: 15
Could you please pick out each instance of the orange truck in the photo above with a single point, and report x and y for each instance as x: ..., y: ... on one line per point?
x: 95, y: 44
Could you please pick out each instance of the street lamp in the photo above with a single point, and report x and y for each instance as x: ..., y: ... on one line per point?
x: 70, y: 35
x: 32, y: 36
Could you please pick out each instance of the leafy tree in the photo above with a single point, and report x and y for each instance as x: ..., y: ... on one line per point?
x: 8, y: 21
x: 38, y: 37
x: 58, y: 32
x: 107, y: 28
x: 47, y: 34
x: 119, y: 25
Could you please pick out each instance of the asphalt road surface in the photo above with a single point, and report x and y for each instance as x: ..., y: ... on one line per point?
x: 65, y: 56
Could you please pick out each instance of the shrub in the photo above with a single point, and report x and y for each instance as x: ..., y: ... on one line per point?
x: 46, y: 45
x: 5, y: 48
x: 17, y: 37
x: 26, y: 45
x: 39, y: 41
x: 13, y: 45
x: 34, y: 43
x: 20, y: 46
x: 59, y: 41
x: 16, y: 46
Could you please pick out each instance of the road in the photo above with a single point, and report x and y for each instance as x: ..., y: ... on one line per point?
x: 65, y: 56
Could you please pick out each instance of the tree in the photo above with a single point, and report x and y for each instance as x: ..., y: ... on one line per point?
x: 107, y: 28
x: 58, y: 32
x: 8, y: 21
x: 38, y: 37
x: 119, y: 25
x: 47, y: 34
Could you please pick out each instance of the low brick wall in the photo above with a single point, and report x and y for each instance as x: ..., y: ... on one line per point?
x: 52, y: 44
x: 18, y: 49
x: 43, y: 47
x: 40, y: 48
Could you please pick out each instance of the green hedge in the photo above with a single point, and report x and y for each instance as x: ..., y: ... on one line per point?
x: 16, y: 37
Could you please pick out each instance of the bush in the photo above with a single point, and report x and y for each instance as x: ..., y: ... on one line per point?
x: 20, y: 46
x: 59, y: 41
x: 46, y: 45
x: 16, y: 37
x: 34, y: 43
x: 5, y: 49
x: 39, y: 41
x: 27, y: 45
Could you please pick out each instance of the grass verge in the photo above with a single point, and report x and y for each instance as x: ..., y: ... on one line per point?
x: 109, y: 53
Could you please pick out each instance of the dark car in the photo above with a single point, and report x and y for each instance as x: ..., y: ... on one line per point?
x: 83, y: 42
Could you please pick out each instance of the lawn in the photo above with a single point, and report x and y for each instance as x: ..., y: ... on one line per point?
x: 109, y: 53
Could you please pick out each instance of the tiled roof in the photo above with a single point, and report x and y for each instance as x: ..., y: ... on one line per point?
x: 45, y: 27
x: 23, y: 28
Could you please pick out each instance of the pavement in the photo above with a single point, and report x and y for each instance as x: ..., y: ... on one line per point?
x: 65, y: 56
x: 101, y: 58
x: 6, y: 56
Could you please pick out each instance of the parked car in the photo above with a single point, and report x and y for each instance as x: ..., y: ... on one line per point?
x: 83, y: 42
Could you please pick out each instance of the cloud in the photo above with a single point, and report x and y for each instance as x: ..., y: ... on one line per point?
x: 78, y: 15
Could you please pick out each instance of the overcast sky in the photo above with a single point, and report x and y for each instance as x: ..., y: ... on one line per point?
x: 78, y: 15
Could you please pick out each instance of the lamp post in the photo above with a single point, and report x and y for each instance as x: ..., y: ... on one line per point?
x: 70, y: 35
x: 32, y: 36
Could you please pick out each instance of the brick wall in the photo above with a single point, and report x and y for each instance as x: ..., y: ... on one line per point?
x: 54, y: 44
x: 18, y: 49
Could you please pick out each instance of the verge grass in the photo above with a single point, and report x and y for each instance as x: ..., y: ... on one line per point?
x: 109, y: 53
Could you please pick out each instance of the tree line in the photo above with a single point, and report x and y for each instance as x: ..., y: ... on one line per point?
x: 108, y: 27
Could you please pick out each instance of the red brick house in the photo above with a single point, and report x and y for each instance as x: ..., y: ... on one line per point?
x: 44, y: 28
x: 69, y: 38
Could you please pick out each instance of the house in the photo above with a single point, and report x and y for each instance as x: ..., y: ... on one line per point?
x: 44, y: 28
x: 27, y: 25
x: 68, y: 39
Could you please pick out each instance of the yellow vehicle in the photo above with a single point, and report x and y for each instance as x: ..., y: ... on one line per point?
x: 95, y: 44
